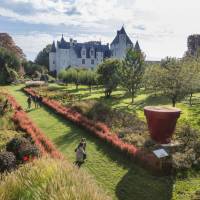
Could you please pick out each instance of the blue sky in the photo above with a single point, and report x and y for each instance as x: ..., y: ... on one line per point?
x: 161, y: 26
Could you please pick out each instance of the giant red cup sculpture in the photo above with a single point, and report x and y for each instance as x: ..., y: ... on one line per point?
x: 161, y: 122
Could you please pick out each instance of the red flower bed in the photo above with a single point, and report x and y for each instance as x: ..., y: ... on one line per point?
x: 99, y: 129
x: 24, y: 123
x: 147, y: 159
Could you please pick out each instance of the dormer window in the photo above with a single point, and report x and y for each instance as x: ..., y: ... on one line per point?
x: 83, y: 52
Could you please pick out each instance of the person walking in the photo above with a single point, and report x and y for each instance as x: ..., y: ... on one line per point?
x: 29, y: 100
x: 35, y: 101
x: 40, y: 101
x: 80, y: 155
x: 83, y: 140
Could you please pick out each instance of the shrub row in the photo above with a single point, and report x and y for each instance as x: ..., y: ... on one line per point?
x: 22, y: 121
x: 98, y: 129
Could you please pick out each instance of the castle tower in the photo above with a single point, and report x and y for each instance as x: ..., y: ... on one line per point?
x: 120, y: 44
x: 52, y: 57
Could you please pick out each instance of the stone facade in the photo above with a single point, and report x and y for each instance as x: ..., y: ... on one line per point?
x: 88, y: 54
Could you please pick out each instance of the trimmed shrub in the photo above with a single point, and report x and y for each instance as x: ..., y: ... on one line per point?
x: 7, y: 161
x: 27, y: 153
x: 16, y: 144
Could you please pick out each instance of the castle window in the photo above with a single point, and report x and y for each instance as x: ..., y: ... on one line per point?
x: 83, y: 61
x: 54, y: 62
x: 92, y: 52
x: 92, y: 62
x: 83, y: 52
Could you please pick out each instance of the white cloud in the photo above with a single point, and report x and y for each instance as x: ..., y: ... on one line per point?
x: 165, y: 24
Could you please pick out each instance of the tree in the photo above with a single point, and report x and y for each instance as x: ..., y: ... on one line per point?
x: 9, y: 66
x: 152, y: 78
x: 32, y: 68
x: 193, y: 73
x: 7, y: 42
x: 132, y: 71
x: 176, y: 79
x: 43, y: 57
x: 108, y: 75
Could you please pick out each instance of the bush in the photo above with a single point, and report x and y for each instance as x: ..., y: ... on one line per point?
x: 100, y: 112
x: 7, y: 161
x: 27, y: 153
x: 188, y: 153
x: 16, y: 144
x: 6, y: 136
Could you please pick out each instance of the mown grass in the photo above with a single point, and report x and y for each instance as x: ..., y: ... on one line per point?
x: 122, y: 101
x: 47, y: 179
x: 116, y: 174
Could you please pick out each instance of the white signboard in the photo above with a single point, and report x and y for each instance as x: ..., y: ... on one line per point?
x: 160, y: 153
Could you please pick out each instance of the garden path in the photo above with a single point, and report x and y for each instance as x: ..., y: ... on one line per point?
x: 116, y: 174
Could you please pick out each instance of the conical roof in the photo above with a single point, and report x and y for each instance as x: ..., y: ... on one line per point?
x: 53, y: 47
x: 137, y: 46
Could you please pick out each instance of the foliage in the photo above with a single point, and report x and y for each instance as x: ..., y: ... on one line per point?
x: 43, y: 57
x: 7, y: 161
x: 126, y: 175
x: 47, y: 78
x: 8, y: 43
x: 24, y: 123
x: 31, y: 68
x: 9, y: 65
x: 37, y: 180
x: 174, y: 78
x: 152, y: 78
x: 99, y: 129
x: 132, y: 70
x: 188, y: 153
x: 6, y: 136
x: 16, y: 144
x: 79, y: 76
x: 108, y: 72
x: 28, y: 152
x: 193, y: 71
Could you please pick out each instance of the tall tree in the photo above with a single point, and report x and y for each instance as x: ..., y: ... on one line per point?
x: 132, y: 71
x: 7, y: 42
x: 192, y: 65
x: 9, y: 65
x: 108, y: 74
x: 43, y: 57
x: 152, y: 78
x: 177, y: 78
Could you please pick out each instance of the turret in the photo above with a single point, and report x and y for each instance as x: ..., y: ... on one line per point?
x: 53, y: 47
x: 52, y: 57
x: 137, y: 46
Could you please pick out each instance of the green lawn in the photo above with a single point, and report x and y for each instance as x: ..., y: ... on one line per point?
x: 117, y: 175
x: 120, y: 100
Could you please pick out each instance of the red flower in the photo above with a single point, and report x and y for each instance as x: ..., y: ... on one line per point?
x: 25, y: 158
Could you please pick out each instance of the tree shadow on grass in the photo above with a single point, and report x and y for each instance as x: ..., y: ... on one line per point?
x: 136, y: 184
